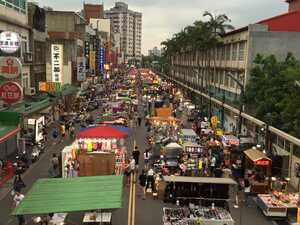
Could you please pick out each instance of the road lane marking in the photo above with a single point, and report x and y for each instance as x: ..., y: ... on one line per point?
x: 130, y: 201
x: 133, y: 200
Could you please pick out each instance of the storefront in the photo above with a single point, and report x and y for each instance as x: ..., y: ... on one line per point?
x: 36, y: 125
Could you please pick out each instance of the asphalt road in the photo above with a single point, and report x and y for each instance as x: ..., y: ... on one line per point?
x: 148, y: 212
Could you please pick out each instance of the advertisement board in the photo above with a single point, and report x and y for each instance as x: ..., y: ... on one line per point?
x: 57, y: 58
x: 11, y: 92
x: 10, y: 67
x: 9, y: 42
x: 49, y: 86
x: 81, y: 69
x: 93, y: 61
x: 101, y: 60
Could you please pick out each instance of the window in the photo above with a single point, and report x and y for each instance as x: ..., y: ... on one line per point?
x: 296, y: 151
x: 228, y: 52
x: 242, y: 46
x: 234, y: 51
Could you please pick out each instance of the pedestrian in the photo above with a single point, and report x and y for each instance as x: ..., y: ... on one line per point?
x: 18, y: 184
x: 72, y: 132
x: 136, y: 155
x: 129, y: 169
x: 213, y: 161
x: 150, y: 180
x: 44, y: 132
x: 63, y: 130
x: 147, y: 156
x: 139, y: 121
x: 54, y: 133
x: 53, y: 171
x: 247, y: 189
x: 143, y: 182
x: 17, y: 199
x: 67, y: 126
x: 54, y: 160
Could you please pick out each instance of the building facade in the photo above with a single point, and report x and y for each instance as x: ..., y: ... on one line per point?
x: 129, y: 24
x: 219, y: 76
x: 93, y: 11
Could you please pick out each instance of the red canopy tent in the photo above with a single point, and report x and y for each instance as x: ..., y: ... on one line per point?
x: 101, y: 132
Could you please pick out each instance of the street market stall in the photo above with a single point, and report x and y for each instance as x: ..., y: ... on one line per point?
x: 229, y: 140
x: 203, y: 200
x: 81, y: 194
x: 102, y: 150
x: 277, y: 204
x: 258, y: 167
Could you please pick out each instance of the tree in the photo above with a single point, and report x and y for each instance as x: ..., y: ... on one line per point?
x: 272, y: 95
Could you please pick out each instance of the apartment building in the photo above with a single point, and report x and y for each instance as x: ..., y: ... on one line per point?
x: 214, y: 75
x: 129, y: 24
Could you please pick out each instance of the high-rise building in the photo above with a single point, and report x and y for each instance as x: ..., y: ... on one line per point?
x: 129, y: 24
x: 154, y: 52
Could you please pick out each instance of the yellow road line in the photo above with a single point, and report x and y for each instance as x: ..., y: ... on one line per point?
x: 130, y: 201
x: 133, y: 200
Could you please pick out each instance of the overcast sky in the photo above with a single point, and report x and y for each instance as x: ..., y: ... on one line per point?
x: 163, y: 18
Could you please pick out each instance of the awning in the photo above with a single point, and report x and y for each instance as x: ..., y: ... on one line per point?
x: 188, y: 132
x: 203, y: 180
x: 101, y: 132
x: 72, y: 195
x: 7, y: 132
x: 256, y: 155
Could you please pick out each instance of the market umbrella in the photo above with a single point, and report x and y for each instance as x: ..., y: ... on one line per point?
x: 102, y: 132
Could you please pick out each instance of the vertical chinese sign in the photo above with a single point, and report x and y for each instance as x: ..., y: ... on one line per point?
x: 101, y: 60
x: 57, y: 62
x: 81, y: 69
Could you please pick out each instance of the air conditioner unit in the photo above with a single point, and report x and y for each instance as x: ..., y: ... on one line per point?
x: 27, y: 57
x: 30, y: 91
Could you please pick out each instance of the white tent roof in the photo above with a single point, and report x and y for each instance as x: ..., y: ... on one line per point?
x: 173, y: 146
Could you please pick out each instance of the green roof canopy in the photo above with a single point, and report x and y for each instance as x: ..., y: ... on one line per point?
x: 72, y: 194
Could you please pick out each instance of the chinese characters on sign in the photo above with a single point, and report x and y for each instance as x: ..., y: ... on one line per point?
x: 81, y: 69
x: 57, y: 62
x: 10, y: 67
x: 101, y: 60
x: 11, y: 92
x: 50, y: 86
x: 92, y: 61
x: 9, y: 42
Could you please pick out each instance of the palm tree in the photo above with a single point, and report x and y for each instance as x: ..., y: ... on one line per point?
x: 218, y: 25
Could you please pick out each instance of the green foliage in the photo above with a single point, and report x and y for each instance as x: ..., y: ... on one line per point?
x: 273, y: 93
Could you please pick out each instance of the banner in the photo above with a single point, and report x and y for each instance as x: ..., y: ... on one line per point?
x: 101, y: 60
x: 57, y: 58
x: 81, y: 70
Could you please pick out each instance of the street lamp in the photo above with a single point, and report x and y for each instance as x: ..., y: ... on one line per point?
x: 241, y: 100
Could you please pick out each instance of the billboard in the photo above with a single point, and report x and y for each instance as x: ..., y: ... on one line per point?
x: 50, y: 86
x: 57, y: 58
x: 93, y: 61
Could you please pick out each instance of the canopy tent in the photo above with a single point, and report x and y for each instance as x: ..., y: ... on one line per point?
x: 101, y: 132
x: 173, y: 146
x: 72, y: 195
x: 203, y: 180
x: 170, y: 118
x: 122, y: 129
x: 188, y: 132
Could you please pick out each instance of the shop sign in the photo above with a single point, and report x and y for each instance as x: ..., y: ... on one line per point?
x: 50, y: 86
x: 101, y: 59
x: 10, y: 67
x: 31, y: 122
x: 57, y: 62
x: 9, y: 42
x: 11, y: 92
x: 81, y: 71
x: 39, y: 129
x: 262, y: 163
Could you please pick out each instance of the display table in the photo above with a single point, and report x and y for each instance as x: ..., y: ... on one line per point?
x: 198, y: 215
x: 272, y: 206
x: 58, y: 219
x: 104, y: 218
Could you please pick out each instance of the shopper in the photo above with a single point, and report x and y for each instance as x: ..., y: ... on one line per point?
x: 139, y: 121
x: 213, y: 161
x: 150, y: 180
x: 54, y: 160
x: 143, y: 182
x: 17, y: 199
x: 136, y: 155
x: 247, y: 189
x: 147, y: 156
x: 18, y: 184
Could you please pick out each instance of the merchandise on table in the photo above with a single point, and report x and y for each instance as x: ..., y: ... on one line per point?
x: 278, y: 203
x: 197, y: 215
